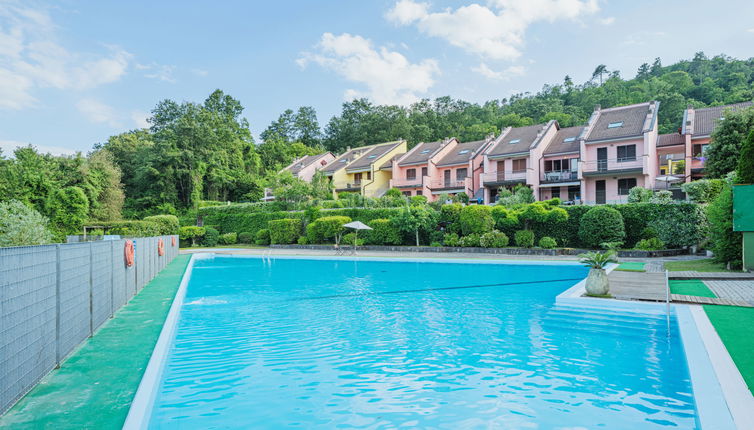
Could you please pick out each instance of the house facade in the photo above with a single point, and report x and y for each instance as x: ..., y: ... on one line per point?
x: 359, y: 170
x: 305, y: 167
x: 559, y: 166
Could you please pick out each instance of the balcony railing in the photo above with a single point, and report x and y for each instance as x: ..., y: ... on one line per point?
x: 611, y: 164
x: 451, y: 183
x: 559, y: 175
x: 347, y: 185
x: 511, y: 175
x: 408, y: 182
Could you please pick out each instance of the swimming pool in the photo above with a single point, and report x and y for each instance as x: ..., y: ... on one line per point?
x: 317, y: 343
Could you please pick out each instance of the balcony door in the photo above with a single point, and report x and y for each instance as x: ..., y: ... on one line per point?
x: 601, y: 192
x: 602, y: 160
x: 446, y: 176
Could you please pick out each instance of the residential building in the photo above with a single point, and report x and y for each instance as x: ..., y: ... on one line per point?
x: 559, y: 166
x: 618, y: 152
x: 305, y: 167
x: 412, y: 172
x: 360, y: 169
x: 459, y: 169
x: 513, y: 158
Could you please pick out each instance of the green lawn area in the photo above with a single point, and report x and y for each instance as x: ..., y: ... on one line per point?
x: 704, y: 265
x: 631, y: 266
x: 237, y: 245
x: 691, y: 287
x: 735, y: 326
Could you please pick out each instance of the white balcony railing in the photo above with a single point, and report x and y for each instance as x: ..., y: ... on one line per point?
x: 450, y: 183
x: 559, y: 175
x: 511, y: 175
x: 611, y: 164
x: 408, y: 182
x: 347, y: 185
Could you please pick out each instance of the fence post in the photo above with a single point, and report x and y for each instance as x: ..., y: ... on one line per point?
x: 91, y: 290
x: 57, y: 305
x: 112, y: 279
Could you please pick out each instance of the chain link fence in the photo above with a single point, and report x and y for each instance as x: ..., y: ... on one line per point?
x: 52, y: 297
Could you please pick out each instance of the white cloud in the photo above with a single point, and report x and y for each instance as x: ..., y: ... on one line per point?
x: 643, y: 38
x: 495, y: 32
x: 607, y: 20
x: 161, y: 72
x: 98, y: 112
x: 199, y: 72
x: 140, y: 119
x: 500, y: 75
x: 389, y: 77
x: 751, y: 30
x: 8, y: 146
x: 31, y: 58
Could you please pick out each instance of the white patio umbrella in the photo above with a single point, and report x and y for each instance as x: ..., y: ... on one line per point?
x: 357, y: 225
x: 668, y: 179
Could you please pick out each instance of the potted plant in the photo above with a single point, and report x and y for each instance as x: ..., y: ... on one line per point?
x: 596, y: 282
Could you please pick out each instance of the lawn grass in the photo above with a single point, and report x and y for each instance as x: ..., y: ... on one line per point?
x: 631, y: 266
x: 735, y: 326
x: 704, y: 265
x: 691, y: 287
x: 237, y: 245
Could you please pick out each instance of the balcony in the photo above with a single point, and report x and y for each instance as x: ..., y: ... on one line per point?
x: 497, y: 178
x: 612, y: 165
x: 348, y: 186
x: 450, y: 184
x: 408, y: 182
x: 559, y: 176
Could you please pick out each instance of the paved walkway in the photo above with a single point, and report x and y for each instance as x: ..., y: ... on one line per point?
x: 690, y: 274
x: 739, y: 291
x: 94, y: 387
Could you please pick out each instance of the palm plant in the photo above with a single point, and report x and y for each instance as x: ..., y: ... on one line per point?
x: 597, y: 260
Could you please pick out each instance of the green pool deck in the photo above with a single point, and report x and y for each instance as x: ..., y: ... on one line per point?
x: 690, y: 287
x: 94, y: 386
x: 631, y: 266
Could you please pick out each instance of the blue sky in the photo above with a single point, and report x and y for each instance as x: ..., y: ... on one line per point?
x: 73, y: 72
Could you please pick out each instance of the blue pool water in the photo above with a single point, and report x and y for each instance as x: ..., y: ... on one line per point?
x: 295, y: 343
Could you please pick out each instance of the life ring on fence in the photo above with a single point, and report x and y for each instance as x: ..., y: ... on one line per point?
x: 160, y: 247
x: 129, y: 253
x: 172, y: 241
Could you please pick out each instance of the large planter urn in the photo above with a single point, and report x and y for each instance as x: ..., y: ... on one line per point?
x: 596, y: 282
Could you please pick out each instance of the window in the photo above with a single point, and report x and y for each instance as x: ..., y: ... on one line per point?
x: 407, y: 193
x: 419, y: 192
x: 555, y: 192
x: 574, y: 193
x: 615, y: 124
x: 569, y: 139
x: 699, y: 150
x: 624, y: 185
x: 626, y: 153
x: 464, y: 151
x: 519, y: 165
x: 460, y: 174
x: 369, y: 176
x: 372, y: 156
x: 424, y: 171
x: 574, y: 162
x: 425, y: 151
x: 514, y: 141
x: 411, y: 174
x: 548, y: 165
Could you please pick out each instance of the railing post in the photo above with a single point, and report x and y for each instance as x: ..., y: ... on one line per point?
x: 112, y: 279
x: 57, y: 305
x: 91, y: 290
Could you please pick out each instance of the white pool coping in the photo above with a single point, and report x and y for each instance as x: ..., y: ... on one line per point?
x: 722, y: 398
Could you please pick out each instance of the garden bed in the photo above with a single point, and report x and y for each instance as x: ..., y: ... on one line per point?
x: 501, y: 251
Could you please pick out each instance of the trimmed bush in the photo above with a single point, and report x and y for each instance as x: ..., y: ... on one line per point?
x: 302, y: 240
x: 350, y: 238
x: 724, y: 242
x: 284, y: 231
x: 168, y: 224
x: 190, y: 234
x: 211, y: 237
x: 22, y: 225
x: 601, y: 224
x: 262, y: 237
x: 228, y: 239
x: 493, y: 239
x: 650, y: 244
x: 449, y: 216
x: 383, y: 233
x: 648, y: 233
x: 476, y: 219
x: 246, y: 237
x: 547, y: 243
x: 524, y: 238
x: 131, y: 228
x: 324, y: 229
x: 451, y: 239
x: 470, y: 240
x: 419, y: 200
x: 506, y: 219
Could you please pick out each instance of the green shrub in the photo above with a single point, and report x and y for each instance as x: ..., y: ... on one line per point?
x: 393, y: 192
x: 470, y: 240
x: 435, y: 244
x: 246, y: 237
x: 190, y: 234
x: 22, y: 225
x: 476, y: 219
x: 302, y: 240
x: 547, y: 243
x: 262, y: 237
x: 461, y: 197
x: 506, y: 220
x: 228, y: 239
x: 332, y: 204
x: 419, y: 200
x: 69, y: 209
x: 650, y: 244
x: 284, y: 231
x: 639, y: 195
x: 130, y: 228
x: 724, y: 242
x: 211, y: 237
x: 524, y: 238
x: 648, y: 233
x: 451, y: 239
x: 449, y: 217
x: 168, y: 223
x: 325, y: 229
x: 703, y: 190
x: 601, y: 224
x: 493, y: 239
x: 383, y: 233
x: 350, y: 238
x: 745, y: 168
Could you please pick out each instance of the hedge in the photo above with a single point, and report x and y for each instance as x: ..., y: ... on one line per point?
x: 383, y: 233
x: 324, y: 229
x: 476, y: 219
x: 284, y: 231
x: 246, y: 237
x: 131, y: 228
x: 602, y: 224
x: 228, y: 239
x: 168, y: 223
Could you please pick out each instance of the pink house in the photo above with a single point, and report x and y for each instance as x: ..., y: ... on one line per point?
x: 413, y: 172
x: 559, y: 166
x: 305, y: 167
x: 513, y: 158
x: 618, y: 152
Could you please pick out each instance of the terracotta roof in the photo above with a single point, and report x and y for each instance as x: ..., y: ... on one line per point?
x: 304, y: 162
x: 565, y: 140
x: 517, y: 140
x: 705, y: 119
x: 344, y: 159
x: 421, y: 153
x: 626, y: 121
x: 372, y: 155
x: 462, y: 153
x: 670, y: 139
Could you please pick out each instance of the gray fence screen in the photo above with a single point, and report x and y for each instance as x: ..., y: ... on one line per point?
x: 52, y: 297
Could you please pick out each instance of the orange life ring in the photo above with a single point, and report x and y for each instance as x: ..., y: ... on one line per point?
x: 160, y: 247
x: 129, y: 253
x: 172, y: 241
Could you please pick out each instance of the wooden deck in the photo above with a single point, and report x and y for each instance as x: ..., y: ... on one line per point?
x: 638, y: 286
x: 708, y: 300
x: 739, y: 291
x: 690, y: 274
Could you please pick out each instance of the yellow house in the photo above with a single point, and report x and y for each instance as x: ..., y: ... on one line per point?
x: 358, y: 169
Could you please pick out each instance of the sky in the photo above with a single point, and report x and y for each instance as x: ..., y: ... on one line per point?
x: 73, y: 73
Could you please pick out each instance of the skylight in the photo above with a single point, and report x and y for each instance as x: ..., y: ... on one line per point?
x: 615, y: 124
x: 514, y: 141
x: 372, y: 156
x: 343, y: 160
x: 569, y: 139
x: 465, y: 151
x: 426, y: 151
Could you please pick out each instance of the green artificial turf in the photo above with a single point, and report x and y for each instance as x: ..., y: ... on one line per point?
x: 691, y: 287
x: 735, y: 326
x: 630, y: 266
x: 94, y: 387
